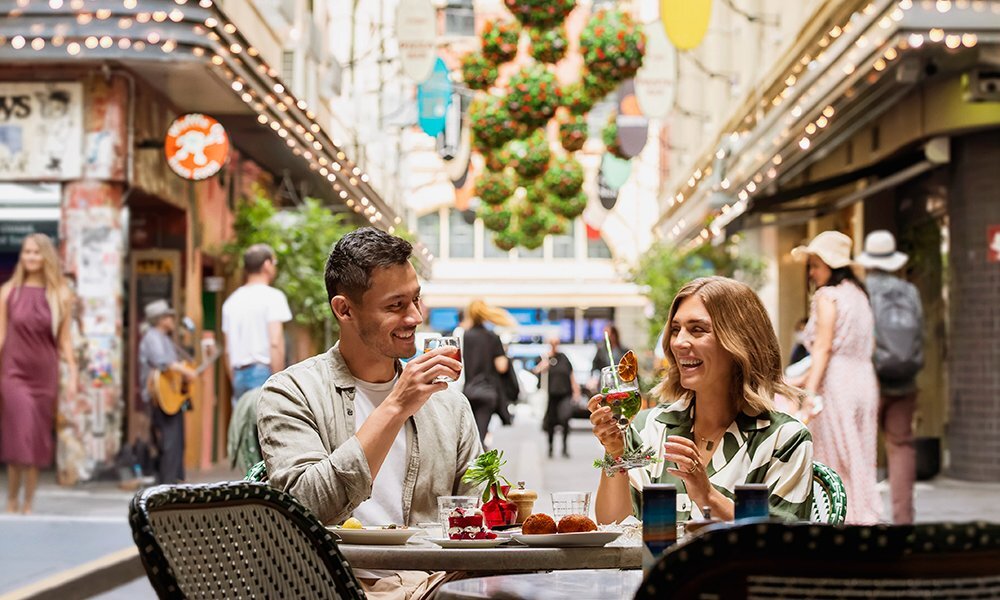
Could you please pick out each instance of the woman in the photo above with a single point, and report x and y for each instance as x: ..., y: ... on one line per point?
x: 484, y: 361
x: 35, y: 315
x: 715, y: 427
x: 840, y: 338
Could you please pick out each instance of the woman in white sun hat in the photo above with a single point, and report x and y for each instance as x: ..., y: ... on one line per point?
x: 840, y: 339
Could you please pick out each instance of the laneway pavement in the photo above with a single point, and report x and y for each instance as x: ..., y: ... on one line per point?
x: 76, y: 525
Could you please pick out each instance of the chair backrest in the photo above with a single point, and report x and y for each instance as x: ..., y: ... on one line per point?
x: 258, y: 472
x: 829, y: 496
x: 236, y: 540
x: 767, y: 559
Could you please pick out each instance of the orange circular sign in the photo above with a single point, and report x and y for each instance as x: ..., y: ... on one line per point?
x: 197, y: 146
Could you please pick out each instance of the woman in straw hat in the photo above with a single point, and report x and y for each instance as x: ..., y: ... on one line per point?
x: 840, y: 339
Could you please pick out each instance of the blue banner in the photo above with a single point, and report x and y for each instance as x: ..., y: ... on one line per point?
x: 433, y: 98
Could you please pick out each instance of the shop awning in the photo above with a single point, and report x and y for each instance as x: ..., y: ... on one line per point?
x: 194, y: 55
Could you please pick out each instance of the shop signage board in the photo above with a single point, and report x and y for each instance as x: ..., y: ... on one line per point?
x: 416, y: 33
x: 685, y: 21
x: 12, y: 233
x: 433, y: 98
x: 993, y: 243
x: 196, y: 147
x: 41, y: 131
x: 656, y: 81
x: 633, y: 126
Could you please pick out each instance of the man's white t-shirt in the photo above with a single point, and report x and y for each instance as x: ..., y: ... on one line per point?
x: 386, y: 503
x: 245, y: 317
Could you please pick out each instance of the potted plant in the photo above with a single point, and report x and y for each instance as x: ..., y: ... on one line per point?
x: 478, y: 72
x: 485, y: 469
x: 491, y: 123
x: 573, y: 132
x: 500, y: 40
x: 564, y: 176
x: 533, y: 96
x: 494, y: 188
x: 612, y: 45
x: 548, y: 45
x: 540, y: 13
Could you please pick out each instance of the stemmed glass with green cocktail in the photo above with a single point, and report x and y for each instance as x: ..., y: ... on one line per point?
x: 620, y: 391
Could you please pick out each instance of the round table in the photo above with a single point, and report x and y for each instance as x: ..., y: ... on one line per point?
x: 558, y: 585
x: 504, y: 559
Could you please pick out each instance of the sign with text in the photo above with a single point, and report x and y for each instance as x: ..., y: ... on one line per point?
x: 993, y: 243
x: 416, y: 33
x: 41, y: 131
x: 656, y: 81
x: 197, y: 146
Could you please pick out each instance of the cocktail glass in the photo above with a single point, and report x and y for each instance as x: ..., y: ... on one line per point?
x: 448, y: 341
x: 624, y: 400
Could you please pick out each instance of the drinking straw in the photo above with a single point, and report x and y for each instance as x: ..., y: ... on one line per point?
x: 611, y: 359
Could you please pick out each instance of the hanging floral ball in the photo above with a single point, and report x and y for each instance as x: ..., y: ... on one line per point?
x: 533, y: 95
x: 540, y: 13
x: 612, y: 45
x: 559, y: 226
x: 534, y: 220
x: 495, y: 218
x: 506, y: 239
x: 536, y: 194
x: 500, y: 40
x: 571, y: 207
x: 478, y: 72
x: 573, y: 133
x: 564, y: 176
x: 491, y: 123
x: 577, y: 99
x: 530, y: 157
x: 597, y: 87
x: 493, y: 188
x: 496, y: 159
x: 548, y: 45
x: 610, y: 137
x: 532, y: 242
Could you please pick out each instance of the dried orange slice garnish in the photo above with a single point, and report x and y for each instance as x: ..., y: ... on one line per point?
x: 628, y: 367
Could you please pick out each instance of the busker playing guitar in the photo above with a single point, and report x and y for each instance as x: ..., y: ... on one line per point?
x: 158, y: 359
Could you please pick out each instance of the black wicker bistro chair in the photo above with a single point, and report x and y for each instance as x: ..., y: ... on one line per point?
x: 813, y: 560
x: 236, y: 540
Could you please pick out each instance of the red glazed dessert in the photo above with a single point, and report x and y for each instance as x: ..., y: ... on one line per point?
x: 467, y: 524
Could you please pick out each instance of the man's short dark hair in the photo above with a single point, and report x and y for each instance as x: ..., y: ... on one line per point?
x: 255, y: 257
x: 353, y: 259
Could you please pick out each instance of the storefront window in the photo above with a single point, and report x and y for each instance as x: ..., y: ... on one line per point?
x: 596, y: 248
x: 429, y: 230
x: 461, y: 236
x: 489, y: 248
x: 564, y: 246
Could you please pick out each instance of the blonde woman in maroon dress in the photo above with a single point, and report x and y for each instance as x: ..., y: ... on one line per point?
x: 35, y: 311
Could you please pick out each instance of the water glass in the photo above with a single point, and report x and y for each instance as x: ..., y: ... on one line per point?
x: 570, y: 503
x: 446, y: 504
x: 448, y: 341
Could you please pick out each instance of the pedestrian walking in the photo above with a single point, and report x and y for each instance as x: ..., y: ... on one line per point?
x: 562, y: 389
x: 601, y: 358
x: 899, y: 356
x: 485, y: 361
x: 253, y: 319
x: 35, y: 315
x: 158, y: 354
x: 840, y: 339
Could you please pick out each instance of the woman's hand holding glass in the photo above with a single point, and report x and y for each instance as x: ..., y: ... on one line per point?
x: 606, y: 426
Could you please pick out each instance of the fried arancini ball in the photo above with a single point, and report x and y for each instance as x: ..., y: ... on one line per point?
x: 538, y: 523
x: 576, y: 524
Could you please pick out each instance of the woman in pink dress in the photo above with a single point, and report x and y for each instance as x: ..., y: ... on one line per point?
x: 34, y: 331
x: 840, y: 338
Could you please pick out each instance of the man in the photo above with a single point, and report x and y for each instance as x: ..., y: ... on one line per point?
x: 562, y: 389
x: 351, y: 432
x: 252, y: 322
x: 898, y: 359
x: 158, y: 353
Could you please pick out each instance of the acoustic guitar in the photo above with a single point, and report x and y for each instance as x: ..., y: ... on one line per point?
x: 171, y: 391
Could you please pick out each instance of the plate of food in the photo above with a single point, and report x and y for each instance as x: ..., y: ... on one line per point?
x: 353, y: 532
x: 572, y: 531
x: 480, y: 543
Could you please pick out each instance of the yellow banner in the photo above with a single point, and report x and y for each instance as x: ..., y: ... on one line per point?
x: 685, y: 21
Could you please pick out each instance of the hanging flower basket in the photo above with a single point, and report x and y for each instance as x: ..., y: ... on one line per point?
x: 529, y: 157
x: 597, y: 87
x: 494, y: 188
x: 506, y: 239
x: 571, y: 207
x: 491, y: 124
x: 610, y: 137
x: 577, y: 99
x: 536, y: 194
x: 478, y: 72
x: 612, y: 45
x: 532, y: 242
x: 559, y: 226
x: 500, y: 40
x: 534, y: 220
x: 573, y: 133
x: 495, y: 218
x: 564, y: 176
x: 533, y: 95
x: 496, y: 159
x: 540, y: 13
x: 548, y: 45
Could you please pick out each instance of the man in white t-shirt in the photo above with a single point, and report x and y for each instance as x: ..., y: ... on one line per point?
x: 253, y: 319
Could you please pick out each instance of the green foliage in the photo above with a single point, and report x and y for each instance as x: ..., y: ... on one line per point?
x: 485, y: 469
x: 301, y: 238
x: 664, y: 269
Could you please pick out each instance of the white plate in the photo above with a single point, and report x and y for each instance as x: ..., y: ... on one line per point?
x: 583, y: 539
x: 450, y: 543
x: 375, y: 536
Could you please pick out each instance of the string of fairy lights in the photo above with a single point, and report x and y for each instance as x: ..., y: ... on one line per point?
x: 861, y: 50
x: 200, y: 30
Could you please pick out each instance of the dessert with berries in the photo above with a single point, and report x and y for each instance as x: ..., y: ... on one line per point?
x: 467, y: 524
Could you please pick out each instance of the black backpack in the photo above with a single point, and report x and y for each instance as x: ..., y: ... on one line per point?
x: 899, y: 347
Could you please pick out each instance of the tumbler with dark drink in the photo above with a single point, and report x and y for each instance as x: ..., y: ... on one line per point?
x: 455, y: 350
